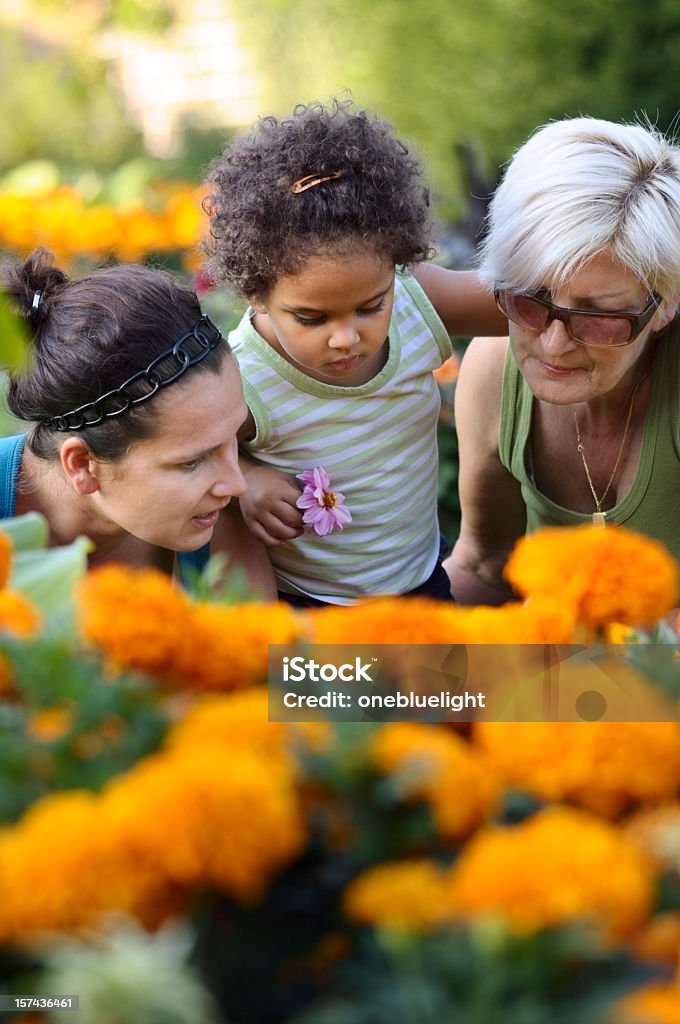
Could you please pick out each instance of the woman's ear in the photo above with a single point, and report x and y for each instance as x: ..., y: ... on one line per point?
x: 258, y: 303
x: 79, y: 466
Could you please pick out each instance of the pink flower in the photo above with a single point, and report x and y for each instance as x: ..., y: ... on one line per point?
x: 324, y: 508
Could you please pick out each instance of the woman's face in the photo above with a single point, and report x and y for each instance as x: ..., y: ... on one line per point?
x: 169, y: 489
x: 561, y: 371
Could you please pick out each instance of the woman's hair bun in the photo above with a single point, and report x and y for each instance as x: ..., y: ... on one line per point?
x: 31, y: 284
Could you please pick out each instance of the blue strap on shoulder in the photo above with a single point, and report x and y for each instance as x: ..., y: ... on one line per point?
x: 11, y: 450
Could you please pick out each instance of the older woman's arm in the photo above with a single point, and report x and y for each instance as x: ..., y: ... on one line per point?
x: 493, y: 515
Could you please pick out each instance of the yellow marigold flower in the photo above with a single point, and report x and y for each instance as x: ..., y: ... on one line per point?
x: 403, y: 896
x: 610, y: 575
x: 604, y: 766
x: 138, y: 619
x: 658, y: 1003
x: 6, y: 550
x: 230, y: 642
x: 434, y: 764
x: 560, y: 866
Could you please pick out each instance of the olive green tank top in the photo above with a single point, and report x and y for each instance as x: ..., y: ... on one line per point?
x: 652, y: 505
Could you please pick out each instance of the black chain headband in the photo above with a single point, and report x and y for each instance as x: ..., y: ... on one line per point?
x: 192, y: 348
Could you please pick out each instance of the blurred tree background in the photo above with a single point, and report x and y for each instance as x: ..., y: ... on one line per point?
x: 471, y: 76
x: 466, y: 80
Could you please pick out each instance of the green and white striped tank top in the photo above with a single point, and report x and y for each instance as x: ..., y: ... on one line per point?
x: 378, y: 443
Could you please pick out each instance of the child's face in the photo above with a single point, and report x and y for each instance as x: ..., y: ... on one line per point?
x: 331, y: 319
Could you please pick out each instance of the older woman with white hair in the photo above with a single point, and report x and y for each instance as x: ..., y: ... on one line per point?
x: 576, y: 418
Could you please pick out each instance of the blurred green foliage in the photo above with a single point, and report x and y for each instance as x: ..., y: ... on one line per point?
x: 69, y: 731
x: 475, y: 73
x: 59, y: 103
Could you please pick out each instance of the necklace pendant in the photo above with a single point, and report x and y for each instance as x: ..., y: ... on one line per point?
x: 599, y: 518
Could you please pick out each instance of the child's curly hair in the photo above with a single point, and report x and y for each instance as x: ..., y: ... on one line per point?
x: 260, y: 230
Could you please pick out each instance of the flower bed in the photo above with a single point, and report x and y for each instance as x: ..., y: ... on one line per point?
x: 337, y: 872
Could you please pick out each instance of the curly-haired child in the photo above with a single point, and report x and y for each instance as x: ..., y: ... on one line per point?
x: 314, y: 220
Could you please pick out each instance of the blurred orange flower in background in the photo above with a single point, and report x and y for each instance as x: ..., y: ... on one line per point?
x: 604, y: 766
x: 557, y: 867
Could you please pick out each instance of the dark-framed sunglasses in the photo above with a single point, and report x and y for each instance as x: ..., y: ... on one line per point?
x: 584, y: 326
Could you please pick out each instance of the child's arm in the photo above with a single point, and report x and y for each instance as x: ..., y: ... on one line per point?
x: 465, y: 305
x: 268, y: 506
x: 232, y: 538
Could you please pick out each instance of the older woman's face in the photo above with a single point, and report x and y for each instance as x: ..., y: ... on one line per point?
x: 561, y: 371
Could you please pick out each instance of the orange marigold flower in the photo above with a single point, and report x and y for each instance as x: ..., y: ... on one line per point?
x: 447, y: 373
x: 141, y: 621
x: 187, y: 818
x: 239, y: 722
x: 560, y: 866
x: 19, y: 618
x: 393, y: 620
x: 433, y: 763
x: 402, y: 896
x: 138, y: 619
x: 17, y: 615
x: 386, y: 620
x: 541, y: 620
x: 610, y: 575
x: 658, y: 1003
x: 230, y: 642
x: 210, y: 816
x: 6, y: 549
x: 604, y: 766
x: 87, y: 870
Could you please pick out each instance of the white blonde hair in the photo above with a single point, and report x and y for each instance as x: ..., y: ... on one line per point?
x: 581, y: 187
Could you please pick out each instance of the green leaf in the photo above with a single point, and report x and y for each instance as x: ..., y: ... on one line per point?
x: 26, y: 532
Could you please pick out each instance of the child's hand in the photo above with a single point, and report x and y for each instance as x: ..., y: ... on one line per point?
x: 268, y: 506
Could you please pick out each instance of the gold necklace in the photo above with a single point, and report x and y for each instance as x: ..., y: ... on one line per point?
x: 598, y: 514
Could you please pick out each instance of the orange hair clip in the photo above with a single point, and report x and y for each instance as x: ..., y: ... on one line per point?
x: 310, y: 180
